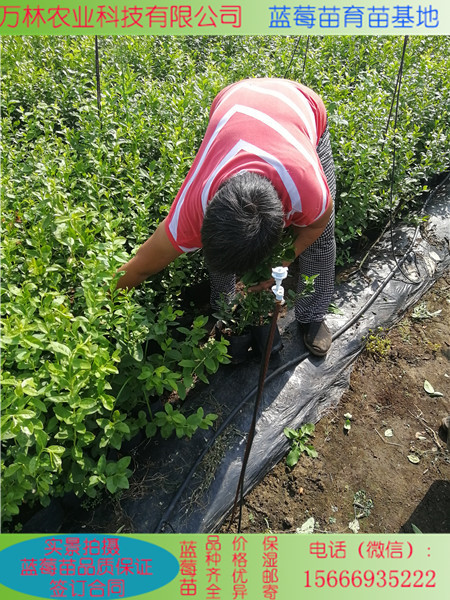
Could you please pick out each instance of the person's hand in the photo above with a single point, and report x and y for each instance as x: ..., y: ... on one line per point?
x: 264, y: 285
x: 154, y: 254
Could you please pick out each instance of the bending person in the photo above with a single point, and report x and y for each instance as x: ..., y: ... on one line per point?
x: 265, y: 163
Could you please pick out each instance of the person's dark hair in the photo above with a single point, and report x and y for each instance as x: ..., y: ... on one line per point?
x: 242, y: 224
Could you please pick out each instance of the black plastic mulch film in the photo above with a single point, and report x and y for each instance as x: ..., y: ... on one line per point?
x: 190, y: 485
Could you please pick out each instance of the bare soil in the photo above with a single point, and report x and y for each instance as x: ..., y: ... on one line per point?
x: 364, y: 472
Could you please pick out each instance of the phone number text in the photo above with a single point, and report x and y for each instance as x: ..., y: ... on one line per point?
x: 381, y: 579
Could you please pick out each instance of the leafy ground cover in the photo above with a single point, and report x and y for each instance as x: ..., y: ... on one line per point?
x: 82, y: 364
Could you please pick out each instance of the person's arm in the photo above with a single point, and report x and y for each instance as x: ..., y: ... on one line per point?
x: 155, y: 254
x: 304, y: 237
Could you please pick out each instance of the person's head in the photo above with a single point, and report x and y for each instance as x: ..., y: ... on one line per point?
x: 242, y: 224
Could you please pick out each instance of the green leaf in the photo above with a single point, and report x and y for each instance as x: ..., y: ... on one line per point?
x: 81, y: 364
x: 88, y: 403
x: 29, y: 389
x: 62, y: 412
x: 184, y: 330
x: 180, y: 431
x: 26, y: 414
x: 194, y: 420
x: 160, y: 418
x: 166, y: 431
x: 187, y: 363
x: 146, y: 373
x: 60, y: 348
x: 188, y: 381
x: 111, y: 484
x: 413, y: 458
x: 111, y: 468
x: 430, y: 389
x: 94, y: 480
x: 173, y: 355
x: 308, y: 428
x: 122, y: 482
x: 290, y: 433
x: 311, y: 451
x: 293, y: 456
x: 200, y: 321
x: 77, y: 474
x: 41, y: 439
x: 107, y: 401
x: 151, y: 429
x: 178, y: 418
x: 123, y: 463
x: 210, y: 365
x: 138, y: 353
x: 172, y: 384
x: 101, y: 465
x: 59, y: 450
x: 182, y: 391
x: 122, y: 427
x: 33, y: 341
x: 203, y: 377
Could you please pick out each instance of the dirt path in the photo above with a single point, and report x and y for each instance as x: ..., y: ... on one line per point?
x: 366, y: 472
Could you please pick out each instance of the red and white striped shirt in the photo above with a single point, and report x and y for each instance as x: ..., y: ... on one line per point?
x: 266, y: 126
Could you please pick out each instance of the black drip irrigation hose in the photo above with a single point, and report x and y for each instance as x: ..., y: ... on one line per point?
x: 292, y: 363
x: 251, y: 434
x: 293, y: 54
x: 292, y: 58
x: 97, y: 77
x: 397, y: 88
x: 305, y: 57
x: 396, y: 101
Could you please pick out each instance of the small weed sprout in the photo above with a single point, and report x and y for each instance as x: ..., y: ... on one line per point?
x: 347, y: 423
x: 362, y: 504
x: 421, y: 312
x: 377, y: 344
x: 334, y: 309
x: 434, y: 347
x: 299, y: 439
